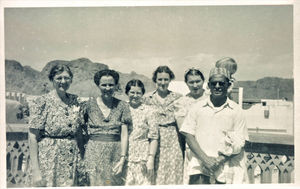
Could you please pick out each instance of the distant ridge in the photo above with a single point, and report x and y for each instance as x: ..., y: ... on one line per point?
x: 268, y: 88
x: 27, y: 80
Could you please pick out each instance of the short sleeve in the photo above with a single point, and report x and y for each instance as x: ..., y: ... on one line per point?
x: 190, y: 122
x: 126, y: 116
x: 240, y: 134
x: 238, y: 137
x: 153, y: 125
x: 84, y: 114
x: 180, y: 109
x: 38, y: 113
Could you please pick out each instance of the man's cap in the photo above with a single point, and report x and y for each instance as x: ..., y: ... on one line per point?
x: 219, y: 71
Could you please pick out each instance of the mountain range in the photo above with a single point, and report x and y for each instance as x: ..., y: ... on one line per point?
x: 27, y: 80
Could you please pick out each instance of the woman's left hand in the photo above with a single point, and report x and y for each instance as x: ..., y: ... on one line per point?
x: 150, y: 168
x: 119, y: 167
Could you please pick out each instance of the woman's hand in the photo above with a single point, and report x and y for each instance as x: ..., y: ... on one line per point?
x: 38, y: 181
x: 119, y: 167
x: 150, y: 167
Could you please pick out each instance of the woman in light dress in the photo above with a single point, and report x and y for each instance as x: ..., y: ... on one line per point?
x: 54, y: 130
x: 194, y: 79
x: 142, y: 139
x: 169, y: 159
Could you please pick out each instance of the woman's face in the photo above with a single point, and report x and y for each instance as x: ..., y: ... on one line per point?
x: 135, y: 95
x: 195, y: 83
x: 62, y: 81
x: 162, y: 81
x: 107, y: 86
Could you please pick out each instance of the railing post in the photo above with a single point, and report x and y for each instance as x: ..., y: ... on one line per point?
x: 266, y: 176
x: 251, y: 174
x: 284, y: 176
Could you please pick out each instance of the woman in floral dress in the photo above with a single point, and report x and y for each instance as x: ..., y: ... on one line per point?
x: 53, y: 129
x: 142, y: 139
x: 169, y: 161
x: 194, y: 79
x: 107, y: 119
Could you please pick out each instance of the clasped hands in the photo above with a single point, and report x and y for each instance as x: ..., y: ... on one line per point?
x: 212, y: 163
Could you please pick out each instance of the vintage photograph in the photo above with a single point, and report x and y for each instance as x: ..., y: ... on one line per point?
x: 149, y: 95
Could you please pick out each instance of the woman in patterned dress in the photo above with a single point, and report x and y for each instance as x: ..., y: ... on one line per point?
x: 54, y: 125
x: 143, y: 138
x: 194, y: 79
x: 169, y: 161
x: 107, y: 121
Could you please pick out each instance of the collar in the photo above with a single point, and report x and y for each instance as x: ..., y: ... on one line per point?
x: 228, y: 103
x: 171, y: 94
x: 141, y: 107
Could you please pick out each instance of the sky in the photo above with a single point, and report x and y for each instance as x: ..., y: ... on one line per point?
x: 259, y: 38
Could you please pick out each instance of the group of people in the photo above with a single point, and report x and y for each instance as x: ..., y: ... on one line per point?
x: 160, y: 138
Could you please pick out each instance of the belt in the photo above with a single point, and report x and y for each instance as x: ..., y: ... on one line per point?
x: 105, y: 137
x: 59, y: 137
x: 173, y: 124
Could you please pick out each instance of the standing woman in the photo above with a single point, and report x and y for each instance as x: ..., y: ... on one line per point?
x: 107, y: 124
x: 53, y: 129
x: 194, y: 79
x: 169, y: 161
x: 143, y: 138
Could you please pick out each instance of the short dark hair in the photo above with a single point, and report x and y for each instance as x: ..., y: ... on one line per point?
x: 193, y: 71
x: 134, y: 82
x: 161, y: 69
x: 58, y: 69
x: 106, y: 72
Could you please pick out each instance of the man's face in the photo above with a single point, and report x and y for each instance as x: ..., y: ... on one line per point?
x: 218, y: 85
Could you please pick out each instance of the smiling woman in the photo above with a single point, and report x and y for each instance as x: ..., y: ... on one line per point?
x: 54, y: 130
x: 169, y: 159
x: 107, y: 120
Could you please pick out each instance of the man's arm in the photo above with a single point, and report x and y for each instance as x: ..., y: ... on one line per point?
x: 209, y: 162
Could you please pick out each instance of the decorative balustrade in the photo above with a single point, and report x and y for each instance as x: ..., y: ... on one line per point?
x: 17, y: 156
x: 266, y: 163
x: 20, y: 97
x: 270, y: 163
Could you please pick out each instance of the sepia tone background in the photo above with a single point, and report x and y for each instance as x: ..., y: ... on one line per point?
x: 135, y: 40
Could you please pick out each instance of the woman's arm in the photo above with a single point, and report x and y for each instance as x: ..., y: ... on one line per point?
x: 124, y: 145
x: 33, y: 134
x: 152, y: 153
x: 151, y: 159
x: 124, y: 141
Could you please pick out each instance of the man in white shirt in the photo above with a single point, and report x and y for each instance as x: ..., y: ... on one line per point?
x: 215, y: 130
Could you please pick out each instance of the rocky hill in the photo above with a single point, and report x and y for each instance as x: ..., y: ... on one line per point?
x: 268, y: 88
x: 24, y: 79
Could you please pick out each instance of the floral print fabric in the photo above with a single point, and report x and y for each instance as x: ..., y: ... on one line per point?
x: 183, y: 104
x: 57, y: 157
x: 136, y: 174
x: 99, y: 124
x: 144, y: 127
x: 102, y: 156
x: 169, y: 159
